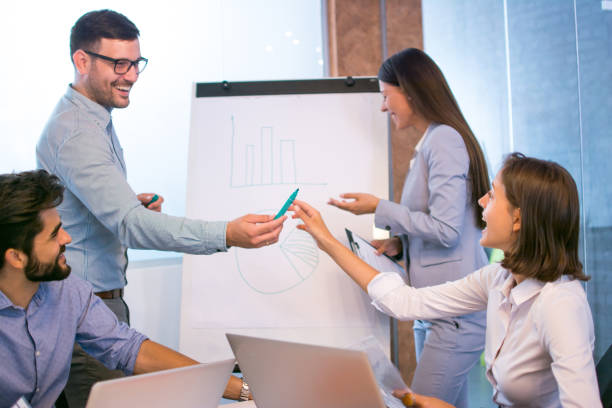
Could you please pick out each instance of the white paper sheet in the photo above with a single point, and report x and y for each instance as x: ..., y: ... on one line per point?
x: 386, y: 374
x: 367, y: 252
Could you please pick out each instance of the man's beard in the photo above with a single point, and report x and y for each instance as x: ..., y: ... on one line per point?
x: 102, y: 93
x: 37, y: 272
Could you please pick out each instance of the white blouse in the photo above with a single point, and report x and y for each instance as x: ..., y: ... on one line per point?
x: 539, y: 338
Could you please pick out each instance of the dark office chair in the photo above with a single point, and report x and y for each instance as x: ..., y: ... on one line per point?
x: 604, y: 378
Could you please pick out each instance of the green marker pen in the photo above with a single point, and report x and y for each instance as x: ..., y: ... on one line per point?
x: 153, y: 199
x: 285, y: 207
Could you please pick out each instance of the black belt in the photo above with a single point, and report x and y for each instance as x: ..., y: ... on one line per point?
x: 110, y: 294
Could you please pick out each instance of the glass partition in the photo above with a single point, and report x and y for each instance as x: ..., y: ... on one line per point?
x: 536, y: 77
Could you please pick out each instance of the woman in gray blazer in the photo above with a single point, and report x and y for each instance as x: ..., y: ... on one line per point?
x: 437, y: 225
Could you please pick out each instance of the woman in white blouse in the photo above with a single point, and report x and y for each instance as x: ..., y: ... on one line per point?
x: 539, y: 336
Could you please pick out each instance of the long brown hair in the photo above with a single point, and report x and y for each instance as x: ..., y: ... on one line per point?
x: 422, y: 80
x: 547, y: 243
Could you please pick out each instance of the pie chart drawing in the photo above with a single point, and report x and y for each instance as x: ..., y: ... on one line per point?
x: 280, y: 267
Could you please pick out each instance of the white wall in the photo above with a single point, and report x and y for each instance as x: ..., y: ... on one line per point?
x: 153, y: 294
x: 185, y: 41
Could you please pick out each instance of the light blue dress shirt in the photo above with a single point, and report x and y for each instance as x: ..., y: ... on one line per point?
x: 100, y: 210
x: 36, y: 343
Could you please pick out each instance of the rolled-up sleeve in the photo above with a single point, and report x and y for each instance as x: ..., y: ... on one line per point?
x: 101, y: 335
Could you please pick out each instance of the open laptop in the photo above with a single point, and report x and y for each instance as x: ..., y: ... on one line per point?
x: 197, y: 386
x: 285, y: 374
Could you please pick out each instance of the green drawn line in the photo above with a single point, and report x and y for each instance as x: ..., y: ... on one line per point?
x: 282, y: 184
x: 250, y: 148
x: 306, y: 256
x: 294, y: 165
x: 282, y: 162
x: 252, y: 170
x: 298, y: 247
x: 309, y: 255
x: 271, y: 153
x: 232, y: 155
x: 292, y: 265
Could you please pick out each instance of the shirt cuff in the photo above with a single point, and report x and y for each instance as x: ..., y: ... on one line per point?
x: 214, y: 236
x: 383, y: 216
x: 133, y: 349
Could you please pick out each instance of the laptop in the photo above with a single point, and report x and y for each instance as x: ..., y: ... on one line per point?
x: 197, y: 386
x: 285, y: 374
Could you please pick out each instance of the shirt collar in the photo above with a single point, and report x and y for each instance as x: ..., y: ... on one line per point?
x: 422, y: 139
x: 38, y: 297
x: 420, y: 142
x: 5, y: 302
x: 100, y: 114
x: 522, y: 292
x: 40, y: 294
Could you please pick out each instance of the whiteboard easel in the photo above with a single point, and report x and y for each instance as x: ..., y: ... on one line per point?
x: 251, y: 145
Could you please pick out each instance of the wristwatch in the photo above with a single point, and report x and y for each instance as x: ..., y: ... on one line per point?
x: 244, y: 391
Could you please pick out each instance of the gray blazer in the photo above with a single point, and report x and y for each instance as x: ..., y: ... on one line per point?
x: 435, y: 219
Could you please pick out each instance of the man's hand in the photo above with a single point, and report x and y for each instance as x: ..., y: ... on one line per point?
x: 146, y: 200
x: 361, y: 203
x: 389, y: 247
x: 253, y: 231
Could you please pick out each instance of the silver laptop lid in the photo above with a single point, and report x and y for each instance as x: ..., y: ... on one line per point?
x: 197, y: 386
x: 286, y: 374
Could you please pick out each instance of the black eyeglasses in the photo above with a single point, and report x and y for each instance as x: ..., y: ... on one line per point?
x: 123, y: 65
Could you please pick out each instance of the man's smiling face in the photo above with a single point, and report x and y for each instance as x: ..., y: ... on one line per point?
x: 102, y: 84
x: 47, y: 261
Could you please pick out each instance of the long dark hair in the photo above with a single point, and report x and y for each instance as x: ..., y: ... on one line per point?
x: 422, y: 80
x: 547, y: 243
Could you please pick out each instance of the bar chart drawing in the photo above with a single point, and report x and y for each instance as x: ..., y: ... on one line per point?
x: 271, y: 162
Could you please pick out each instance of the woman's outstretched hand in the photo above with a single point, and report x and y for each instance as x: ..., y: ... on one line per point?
x: 312, y: 222
x: 358, y: 270
x: 360, y: 203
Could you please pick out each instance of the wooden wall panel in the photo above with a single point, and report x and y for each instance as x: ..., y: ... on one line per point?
x: 356, y: 38
x: 404, y: 30
x: 356, y: 49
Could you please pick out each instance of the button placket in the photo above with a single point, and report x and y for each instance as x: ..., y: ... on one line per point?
x: 506, y: 317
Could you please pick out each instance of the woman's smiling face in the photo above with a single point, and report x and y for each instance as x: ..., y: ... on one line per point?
x: 502, y: 219
x: 396, y: 103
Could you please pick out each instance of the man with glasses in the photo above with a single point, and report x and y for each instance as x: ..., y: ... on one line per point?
x: 100, y: 210
x: 44, y: 309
